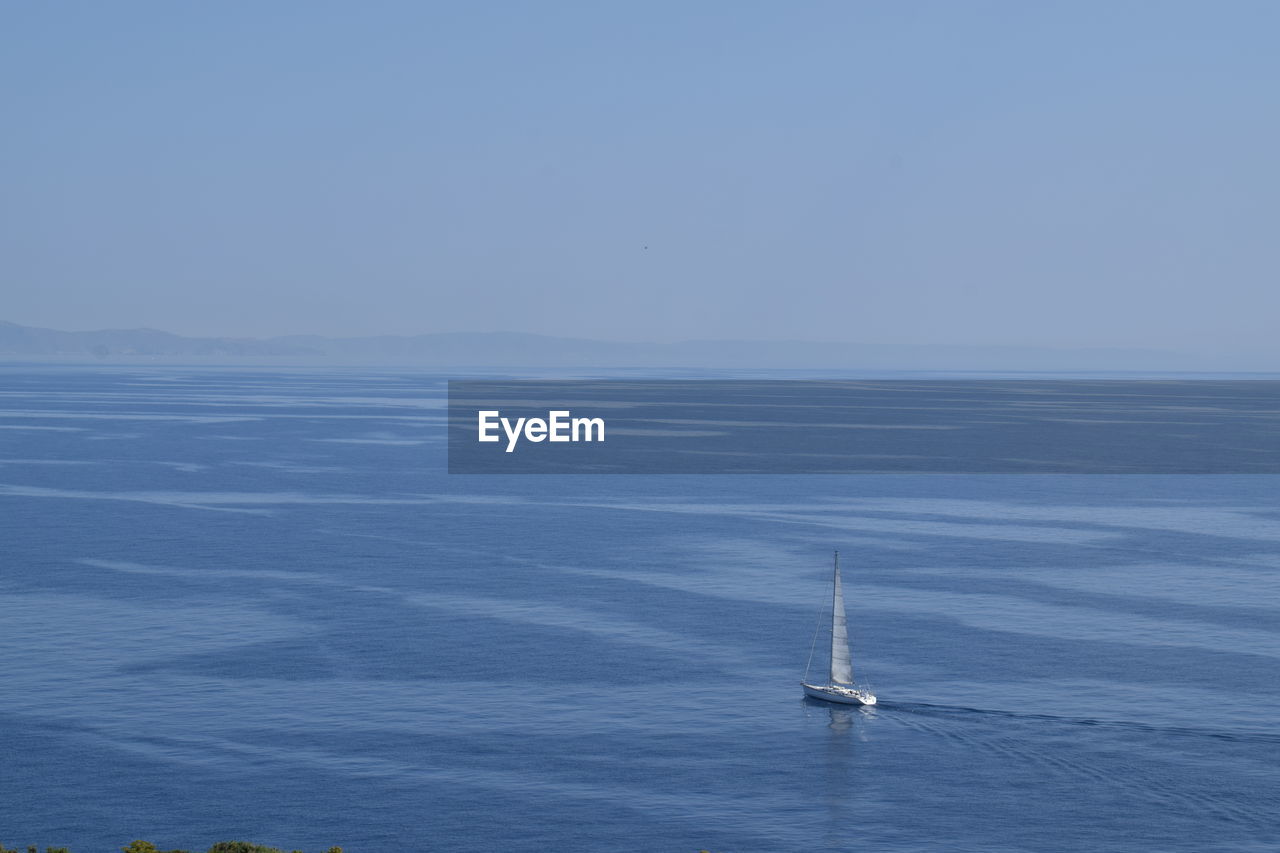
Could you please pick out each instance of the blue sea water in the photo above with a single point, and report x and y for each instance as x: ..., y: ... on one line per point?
x: 251, y: 604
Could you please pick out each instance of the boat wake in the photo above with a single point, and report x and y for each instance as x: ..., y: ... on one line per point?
x: 1209, y: 801
x: 929, y: 709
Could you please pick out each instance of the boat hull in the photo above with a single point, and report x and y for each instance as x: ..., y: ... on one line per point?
x: 840, y: 695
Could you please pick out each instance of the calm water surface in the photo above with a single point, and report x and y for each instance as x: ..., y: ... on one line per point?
x: 250, y: 604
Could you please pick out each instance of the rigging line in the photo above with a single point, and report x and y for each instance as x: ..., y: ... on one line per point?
x: 814, y: 645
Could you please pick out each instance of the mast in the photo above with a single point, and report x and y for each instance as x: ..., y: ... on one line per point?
x: 841, y: 666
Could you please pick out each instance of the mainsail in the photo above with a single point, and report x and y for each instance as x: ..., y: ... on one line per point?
x: 841, y: 667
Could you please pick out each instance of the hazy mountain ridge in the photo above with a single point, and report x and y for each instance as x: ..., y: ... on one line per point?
x: 497, y: 349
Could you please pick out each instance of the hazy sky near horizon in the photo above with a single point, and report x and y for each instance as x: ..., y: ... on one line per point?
x: 1069, y: 174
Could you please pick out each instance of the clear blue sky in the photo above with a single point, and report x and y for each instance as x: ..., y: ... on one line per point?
x: 1071, y: 174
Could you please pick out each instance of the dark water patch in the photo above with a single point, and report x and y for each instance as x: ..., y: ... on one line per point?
x: 288, y: 660
x: 375, y: 642
x: 1256, y: 616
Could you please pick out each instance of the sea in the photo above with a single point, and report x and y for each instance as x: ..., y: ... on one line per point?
x: 250, y: 603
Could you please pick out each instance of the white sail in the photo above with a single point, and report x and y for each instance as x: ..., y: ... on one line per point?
x: 841, y: 666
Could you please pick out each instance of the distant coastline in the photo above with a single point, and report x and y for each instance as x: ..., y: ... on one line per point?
x: 496, y: 349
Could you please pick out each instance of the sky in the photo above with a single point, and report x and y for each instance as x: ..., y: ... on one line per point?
x: 992, y: 173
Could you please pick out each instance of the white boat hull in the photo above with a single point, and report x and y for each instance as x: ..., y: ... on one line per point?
x: 837, y: 693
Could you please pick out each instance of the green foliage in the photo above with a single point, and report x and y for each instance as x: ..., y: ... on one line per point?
x: 141, y: 846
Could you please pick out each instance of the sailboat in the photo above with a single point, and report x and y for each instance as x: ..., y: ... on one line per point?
x: 840, y: 686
